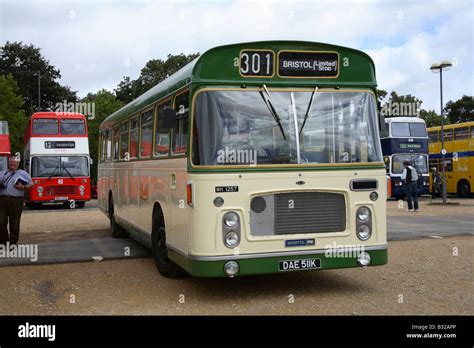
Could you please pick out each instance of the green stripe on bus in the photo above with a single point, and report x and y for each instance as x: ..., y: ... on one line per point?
x: 269, y: 265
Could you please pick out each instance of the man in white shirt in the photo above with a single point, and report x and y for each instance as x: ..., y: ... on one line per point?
x: 410, y: 178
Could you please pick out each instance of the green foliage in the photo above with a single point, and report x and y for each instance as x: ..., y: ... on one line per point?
x: 154, y: 71
x: 24, y: 62
x: 105, y: 104
x: 11, y: 110
x: 431, y: 118
x: 381, y: 94
x: 462, y: 110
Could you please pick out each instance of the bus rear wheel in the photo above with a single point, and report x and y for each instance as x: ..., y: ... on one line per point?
x: 464, y: 189
x: 165, y: 266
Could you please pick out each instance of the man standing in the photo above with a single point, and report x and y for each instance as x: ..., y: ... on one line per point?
x: 410, y: 178
x: 13, y: 184
x: 436, y: 178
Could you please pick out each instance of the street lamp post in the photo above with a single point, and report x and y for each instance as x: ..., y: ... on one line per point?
x: 38, y: 107
x: 438, y: 68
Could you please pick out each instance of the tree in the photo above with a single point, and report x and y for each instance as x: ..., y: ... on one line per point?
x: 431, y: 118
x: 154, y: 71
x: 381, y: 94
x: 105, y: 104
x: 462, y: 110
x: 24, y: 62
x: 11, y: 110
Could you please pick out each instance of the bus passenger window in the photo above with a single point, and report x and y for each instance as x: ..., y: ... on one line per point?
x: 162, y: 134
x: 180, y: 132
x: 108, y: 144
x: 123, y: 139
x: 45, y: 126
x: 73, y: 126
x: 146, y: 139
x: 102, y: 146
x: 115, y: 143
x: 134, y: 131
x: 461, y: 133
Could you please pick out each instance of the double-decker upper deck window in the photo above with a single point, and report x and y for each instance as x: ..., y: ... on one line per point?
x: 73, y: 126
x: 134, y: 132
x: 162, y: 134
x: 115, y: 143
x: 45, y: 126
x: 146, y: 140
x: 180, y: 133
x: 408, y: 129
x: 123, y: 140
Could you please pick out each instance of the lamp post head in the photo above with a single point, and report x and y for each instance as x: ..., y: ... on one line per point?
x: 437, y: 67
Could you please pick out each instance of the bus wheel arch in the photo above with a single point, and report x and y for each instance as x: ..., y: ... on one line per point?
x: 464, y: 188
x: 165, y: 266
x: 116, y: 230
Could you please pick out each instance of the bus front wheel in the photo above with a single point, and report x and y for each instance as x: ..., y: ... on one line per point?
x: 116, y: 230
x: 165, y: 266
x: 464, y: 189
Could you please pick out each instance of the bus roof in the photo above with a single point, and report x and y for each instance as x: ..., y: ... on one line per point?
x: 451, y: 126
x: 404, y: 119
x: 220, y: 66
x: 53, y: 114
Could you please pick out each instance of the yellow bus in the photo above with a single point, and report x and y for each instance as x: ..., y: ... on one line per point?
x: 255, y: 158
x: 459, y: 157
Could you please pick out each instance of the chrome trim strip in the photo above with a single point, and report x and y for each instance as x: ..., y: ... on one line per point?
x: 278, y: 254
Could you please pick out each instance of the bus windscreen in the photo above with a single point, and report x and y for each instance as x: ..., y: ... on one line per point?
x: 56, y: 166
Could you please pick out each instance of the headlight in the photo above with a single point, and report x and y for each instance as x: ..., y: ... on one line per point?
x: 363, y: 213
x: 231, y: 268
x: 374, y: 196
x: 82, y: 188
x: 39, y: 189
x: 363, y: 232
x: 231, y: 239
x: 231, y: 220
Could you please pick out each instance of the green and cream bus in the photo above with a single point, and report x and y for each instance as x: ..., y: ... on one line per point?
x: 255, y: 158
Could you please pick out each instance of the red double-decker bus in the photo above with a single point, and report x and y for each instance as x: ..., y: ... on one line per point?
x: 4, y: 145
x: 57, y: 158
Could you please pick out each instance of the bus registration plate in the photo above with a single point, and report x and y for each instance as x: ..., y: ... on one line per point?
x: 295, y: 265
x: 60, y: 198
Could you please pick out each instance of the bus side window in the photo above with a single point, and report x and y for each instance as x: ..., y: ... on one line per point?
x: 102, y: 146
x: 180, y: 132
x: 162, y: 134
x: 472, y: 132
x: 115, y: 143
x: 146, y: 138
x: 123, y: 139
x: 134, y: 132
x: 108, y: 144
x: 461, y: 133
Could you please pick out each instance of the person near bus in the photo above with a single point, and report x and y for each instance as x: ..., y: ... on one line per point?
x: 436, y: 188
x: 410, y: 178
x: 14, y: 183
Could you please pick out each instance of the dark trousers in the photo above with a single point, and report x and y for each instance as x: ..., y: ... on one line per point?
x: 435, y: 189
x: 412, y: 194
x: 10, y: 214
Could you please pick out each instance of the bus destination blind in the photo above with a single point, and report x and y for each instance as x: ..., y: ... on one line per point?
x: 307, y: 64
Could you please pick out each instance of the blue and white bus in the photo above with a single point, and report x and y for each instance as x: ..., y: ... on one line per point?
x: 405, y: 139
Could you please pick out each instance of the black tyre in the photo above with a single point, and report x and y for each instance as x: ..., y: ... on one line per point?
x: 116, y: 230
x: 80, y: 204
x: 165, y: 266
x: 464, y: 189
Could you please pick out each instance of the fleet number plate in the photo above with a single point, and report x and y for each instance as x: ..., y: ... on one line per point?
x: 295, y: 265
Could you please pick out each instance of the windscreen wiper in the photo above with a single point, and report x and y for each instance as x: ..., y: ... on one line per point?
x: 269, y: 103
x: 68, y: 172
x: 54, y: 171
x: 310, y: 105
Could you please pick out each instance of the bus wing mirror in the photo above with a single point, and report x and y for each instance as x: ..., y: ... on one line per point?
x: 169, y: 118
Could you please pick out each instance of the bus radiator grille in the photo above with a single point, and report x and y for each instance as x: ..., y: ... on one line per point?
x: 60, y: 190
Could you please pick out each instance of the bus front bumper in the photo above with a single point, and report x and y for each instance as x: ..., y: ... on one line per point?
x: 283, y: 262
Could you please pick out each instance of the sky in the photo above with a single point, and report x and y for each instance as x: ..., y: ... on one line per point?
x: 95, y: 43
